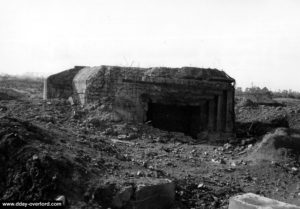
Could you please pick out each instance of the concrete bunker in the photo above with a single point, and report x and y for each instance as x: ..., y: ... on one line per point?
x: 188, y: 99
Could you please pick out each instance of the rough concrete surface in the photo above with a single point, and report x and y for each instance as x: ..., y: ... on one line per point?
x: 253, y: 201
x: 190, y: 100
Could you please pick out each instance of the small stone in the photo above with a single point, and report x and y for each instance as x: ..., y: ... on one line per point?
x: 123, y: 136
x: 132, y: 136
x: 222, y: 161
x: 62, y: 199
x: 54, y: 177
x: 35, y: 157
x: 215, y: 198
x: 134, y: 129
x: 214, y: 161
x: 227, y: 146
x: 144, y: 164
x: 294, y: 170
x: 139, y: 173
x: 71, y: 101
x: 200, y: 185
x: 102, y: 107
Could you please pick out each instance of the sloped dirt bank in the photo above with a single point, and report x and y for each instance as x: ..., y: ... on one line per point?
x: 29, y: 171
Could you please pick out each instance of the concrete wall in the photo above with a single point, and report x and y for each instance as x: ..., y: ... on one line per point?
x: 60, y: 85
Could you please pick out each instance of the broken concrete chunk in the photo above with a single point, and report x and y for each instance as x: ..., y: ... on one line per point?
x: 122, y: 197
x: 71, y: 101
x: 144, y: 193
x: 156, y: 193
x: 276, y: 146
x: 62, y: 199
x: 122, y: 137
x: 253, y: 201
x: 35, y: 157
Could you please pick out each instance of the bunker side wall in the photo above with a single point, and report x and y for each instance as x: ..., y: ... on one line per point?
x: 60, y: 85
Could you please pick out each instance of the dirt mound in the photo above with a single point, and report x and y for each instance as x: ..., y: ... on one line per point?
x: 259, y: 128
x: 10, y: 94
x: 245, y: 102
x: 278, y: 146
x: 258, y: 99
x: 27, y: 170
x: 38, y: 164
x: 257, y: 120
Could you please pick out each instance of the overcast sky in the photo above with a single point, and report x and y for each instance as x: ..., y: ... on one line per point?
x: 254, y: 41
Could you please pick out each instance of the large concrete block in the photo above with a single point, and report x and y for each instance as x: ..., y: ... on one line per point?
x: 155, y: 194
x: 122, y: 197
x: 253, y: 201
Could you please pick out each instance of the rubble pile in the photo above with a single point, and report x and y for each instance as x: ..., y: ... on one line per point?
x: 258, y: 120
x: 89, y: 158
x: 205, y: 194
x: 278, y: 146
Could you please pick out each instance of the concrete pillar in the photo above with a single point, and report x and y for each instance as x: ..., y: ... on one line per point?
x: 220, y: 113
x: 229, y: 111
x: 211, y: 115
x: 45, y: 92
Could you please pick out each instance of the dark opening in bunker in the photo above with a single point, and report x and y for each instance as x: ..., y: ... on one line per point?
x: 177, y: 118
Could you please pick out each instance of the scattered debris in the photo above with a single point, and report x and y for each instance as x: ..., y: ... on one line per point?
x: 52, y: 149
